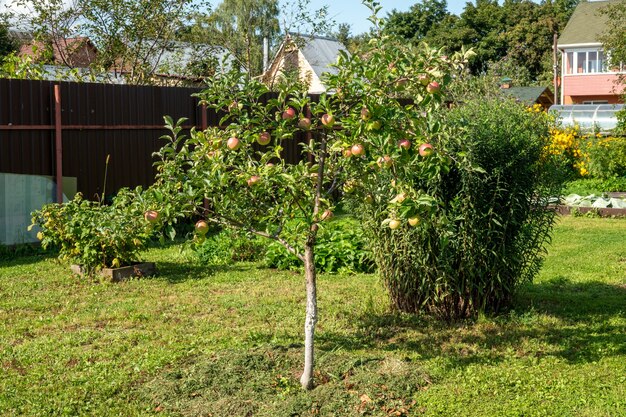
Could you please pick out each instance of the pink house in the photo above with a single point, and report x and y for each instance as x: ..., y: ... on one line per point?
x: 585, y: 75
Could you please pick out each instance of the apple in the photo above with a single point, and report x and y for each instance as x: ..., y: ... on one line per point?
x: 424, y: 79
x: 394, y: 224
x: 426, y: 149
x: 433, y: 87
x: 327, y: 214
x: 357, y: 149
x: 366, y: 114
x: 328, y: 120
x: 369, y: 199
x: 264, y: 138
x: 399, y: 198
x: 289, y: 114
x: 404, y: 144
x: 385, y: 161
x: 349, y: 186
x: 413, y: 221
x: 347, y: 153
x: 151, y: 216
x: 375, y: 125
x: 254, y: 180
x: 304, y: 123
x: 202, y: 227
x: 233, y: 143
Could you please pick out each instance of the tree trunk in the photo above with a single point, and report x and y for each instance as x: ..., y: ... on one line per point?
x: 311, y: 316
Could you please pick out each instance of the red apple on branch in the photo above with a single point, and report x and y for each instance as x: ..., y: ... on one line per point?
x: 327, y: 214
x: 289, y: 114
x: 233, y: 143
x: 253, y: 180
x: 264, y: 138
x: 366, y: 114
x: 202, y: 227
x: 328, y: 120
x: 304, y: 123
x: 347, y: 153
x: 413, y: 221
x: 385, y: 161
x: 426, y: 149
x: 357, y: 149
x: 404, y: 144
x: 433, y: 87
x: 151, y: 216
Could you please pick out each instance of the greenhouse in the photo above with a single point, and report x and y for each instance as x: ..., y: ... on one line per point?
x: 602, y: 117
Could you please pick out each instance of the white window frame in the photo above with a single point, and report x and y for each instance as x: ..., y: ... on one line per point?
x: 574, y: 65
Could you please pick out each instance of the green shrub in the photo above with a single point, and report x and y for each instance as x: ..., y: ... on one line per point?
x: 227, y: 246
x: 341, y: 247
x: 607, y: 157
x: 94, y: 235
x: 588, y: 186
x: 471, y: 251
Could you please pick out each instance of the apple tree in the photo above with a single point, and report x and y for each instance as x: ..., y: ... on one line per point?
x: 363, y: 131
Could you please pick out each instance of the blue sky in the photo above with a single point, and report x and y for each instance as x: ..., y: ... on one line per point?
x: 354, y: 13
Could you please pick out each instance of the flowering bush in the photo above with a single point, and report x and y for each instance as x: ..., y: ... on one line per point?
x: 568, y: 145
x: 589, y: 155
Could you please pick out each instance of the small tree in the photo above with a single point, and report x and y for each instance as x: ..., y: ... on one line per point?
x: 241, y: 169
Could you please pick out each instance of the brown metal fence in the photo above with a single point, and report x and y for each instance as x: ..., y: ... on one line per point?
x: 94, y: 121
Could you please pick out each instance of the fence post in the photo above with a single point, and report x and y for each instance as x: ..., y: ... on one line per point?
x: 58, y: 142
x: 203, y: 117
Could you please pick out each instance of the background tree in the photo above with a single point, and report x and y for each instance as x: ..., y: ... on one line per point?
x: 514, y: 37
x: 8, y: 44
x: 614, y: 37
x: 614, y: 40
x: 131, y: 36
x: 240, y: 26
x: 416, y: 23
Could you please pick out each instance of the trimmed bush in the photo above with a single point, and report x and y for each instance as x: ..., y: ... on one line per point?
x: 486, y: 236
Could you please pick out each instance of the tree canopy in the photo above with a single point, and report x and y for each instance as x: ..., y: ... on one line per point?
x: 513, y: 38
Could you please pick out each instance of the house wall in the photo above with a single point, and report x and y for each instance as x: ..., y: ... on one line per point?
x: 305, y: 71
x: 83, y: 56
x: 579, y: 88
x: 307, y: 74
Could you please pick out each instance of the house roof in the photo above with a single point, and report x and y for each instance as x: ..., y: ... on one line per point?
x: 69, y: 49
x: 586, y: 24
x: 321, y: 52
x: 174, y: 59
x: 528, y: 95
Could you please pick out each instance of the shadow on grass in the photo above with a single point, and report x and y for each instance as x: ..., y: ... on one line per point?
x: 572, y: 321
x: 25, y: 258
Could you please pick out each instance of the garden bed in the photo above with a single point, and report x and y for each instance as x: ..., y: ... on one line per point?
x: 120, y: 274
x: 605, y: 205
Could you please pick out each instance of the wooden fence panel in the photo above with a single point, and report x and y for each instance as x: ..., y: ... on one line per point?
x: 98, y: 120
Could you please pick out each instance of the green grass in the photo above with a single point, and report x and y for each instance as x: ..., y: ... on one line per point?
x: 228, y: 342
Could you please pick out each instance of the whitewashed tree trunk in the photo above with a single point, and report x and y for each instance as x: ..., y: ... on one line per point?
x: 311, y: 317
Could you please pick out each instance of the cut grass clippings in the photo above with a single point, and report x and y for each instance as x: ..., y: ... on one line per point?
x: 200, y: 341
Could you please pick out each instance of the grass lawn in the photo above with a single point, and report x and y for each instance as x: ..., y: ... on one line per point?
x: 195, y: 341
